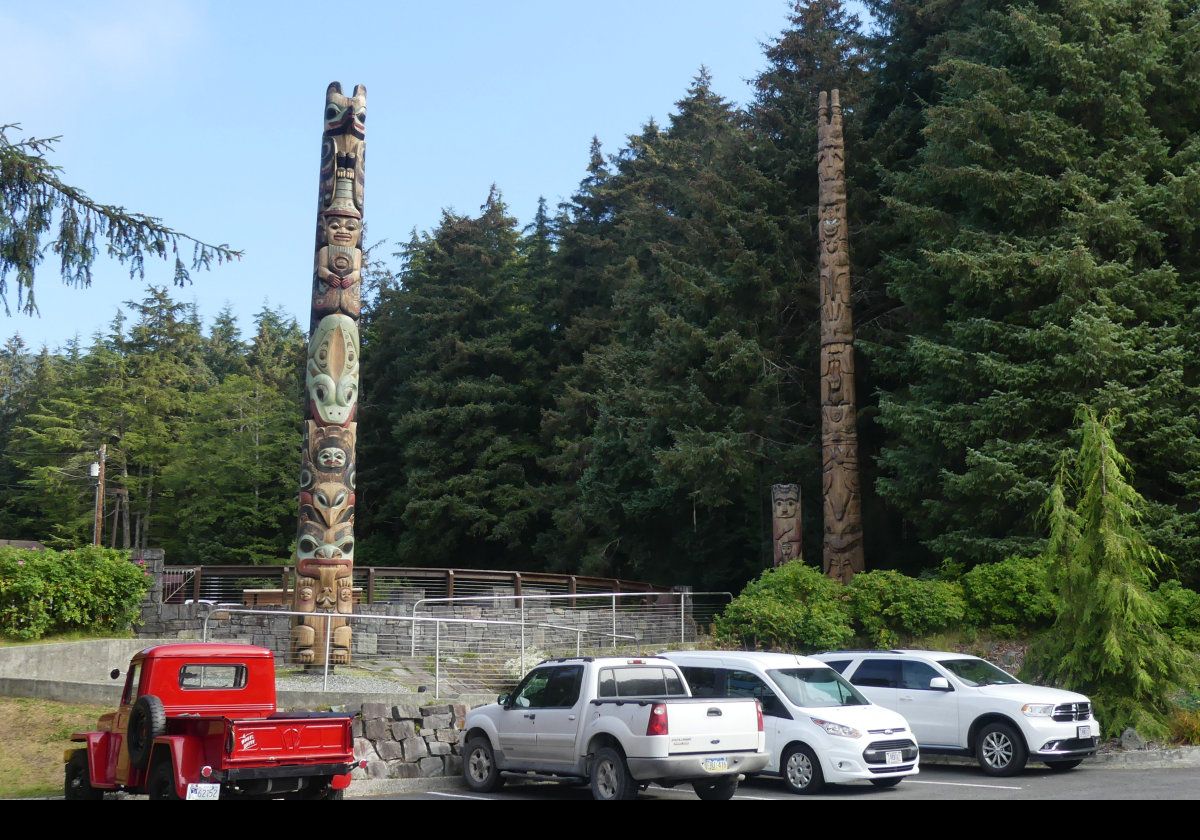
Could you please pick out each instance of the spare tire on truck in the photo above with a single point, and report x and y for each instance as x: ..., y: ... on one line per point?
x: 147, y: 721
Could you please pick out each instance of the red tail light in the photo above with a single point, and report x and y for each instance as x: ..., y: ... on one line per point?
x: 658, y: 720
x: 758, y: 708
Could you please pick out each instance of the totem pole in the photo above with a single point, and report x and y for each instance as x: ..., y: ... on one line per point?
x: 785, y: 522
x: 843, y: 548
x: 325, y: 539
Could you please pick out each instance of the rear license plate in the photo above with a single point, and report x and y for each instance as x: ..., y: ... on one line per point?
x: 715, y: 765
x: 204, y: 791
x: 893, y: 757
x: 1083, y: 731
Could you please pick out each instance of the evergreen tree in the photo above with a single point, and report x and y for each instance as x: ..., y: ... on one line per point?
x: 1036, y: 277
x: 1106, y: 641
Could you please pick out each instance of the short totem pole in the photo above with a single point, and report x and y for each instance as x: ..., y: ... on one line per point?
x: 843, y: 547
x: 325, y: 538
x: 785, y: 523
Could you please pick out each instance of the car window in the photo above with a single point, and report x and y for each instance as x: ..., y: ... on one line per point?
x: 194, y: 677
x: 640, y: 682
x: 877, y: 673
x: 817, y: 688
x: 745, y: 684
x: 977, y: 672
x: 530, y: 692
x: 131, y: 685
x: 916, y: 675
x: 562, y: 689
x: 839, y: 665
x: 705, y: 682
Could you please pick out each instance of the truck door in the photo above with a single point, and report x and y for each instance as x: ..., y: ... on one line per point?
x: 515, y: 727
x: 556, y: 721
x: 118, y: 752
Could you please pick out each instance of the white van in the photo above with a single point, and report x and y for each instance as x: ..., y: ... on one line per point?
x: 819, y: 728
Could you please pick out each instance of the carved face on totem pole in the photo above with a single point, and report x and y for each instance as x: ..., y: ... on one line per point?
x: 332, y: 374
x: 319, y: 547
x: 785, y: 522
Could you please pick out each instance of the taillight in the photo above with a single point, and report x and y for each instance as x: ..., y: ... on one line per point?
x: 758, y: 708
x: 658, y: 720
x: 206, y: 772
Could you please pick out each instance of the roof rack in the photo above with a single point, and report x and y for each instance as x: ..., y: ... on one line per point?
x: 871, y: 650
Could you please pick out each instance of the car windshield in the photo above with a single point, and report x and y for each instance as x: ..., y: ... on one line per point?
x: 817, y: 688
x: 977, y: 672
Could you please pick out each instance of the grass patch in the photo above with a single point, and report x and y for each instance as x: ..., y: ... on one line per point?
x: 33, y: 735
x: 72, y: 636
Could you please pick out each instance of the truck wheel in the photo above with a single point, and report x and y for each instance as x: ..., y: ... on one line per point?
x: 77, y: 778
x: 610, y: 776
x: 162, y: 781
x: 1000, y: 750
x: 802, y: 770
x: 719, y: 790
x: 147, y: 721
x: 480, y: 770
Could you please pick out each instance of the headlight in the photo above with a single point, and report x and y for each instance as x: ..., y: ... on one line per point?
x: 836, y: 728
x: 1038, y: 709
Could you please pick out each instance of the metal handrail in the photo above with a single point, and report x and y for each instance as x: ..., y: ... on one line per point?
x: 225, y: 612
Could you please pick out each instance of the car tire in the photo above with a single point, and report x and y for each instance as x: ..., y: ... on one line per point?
x: 887, y: 783
x: 480, y: 771
x: 610, y: 779
x: 801, y: 770
x: 718, y: 790
x: 77, y: 778
x: 1000, y: 750
x: 1063, y: 766
x: 147, y: 721
x: 161, y: 784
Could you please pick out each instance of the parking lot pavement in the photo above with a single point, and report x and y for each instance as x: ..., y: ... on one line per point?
x: 932, y: 783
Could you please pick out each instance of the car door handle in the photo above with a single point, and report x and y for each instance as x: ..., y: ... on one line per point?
x: 570, y: 717
x: 906, y: 697
x: 531, y: 717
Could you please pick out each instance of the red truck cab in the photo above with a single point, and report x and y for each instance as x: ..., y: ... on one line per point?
x: 198, y: 721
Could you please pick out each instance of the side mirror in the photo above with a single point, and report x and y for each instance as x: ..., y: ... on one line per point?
x: 114, y: 673
x: 940, y: 684
x: 503, y: 700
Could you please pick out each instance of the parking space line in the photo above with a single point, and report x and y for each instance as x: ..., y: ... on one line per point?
x: 762, y: 798
x: 961, y: 784
x: 459, y: 795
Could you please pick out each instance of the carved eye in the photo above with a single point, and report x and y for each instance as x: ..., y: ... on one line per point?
x: 321, y: 393
x: 308, y: 544
x: 322, y: 500
x: 331, y: 112
x: 340, y: 498
x: 347, y: 547
x: 361, y: 116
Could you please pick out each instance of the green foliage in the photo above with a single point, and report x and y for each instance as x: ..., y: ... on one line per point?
x: 33, y: 198
x: 54, y: 591
x: 1014, y: 593
x: 1180, y: 610
x: 1107, y: 641
x: 791, y: 608
x: 888, y: 606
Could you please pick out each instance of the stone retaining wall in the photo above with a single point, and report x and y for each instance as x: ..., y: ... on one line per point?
x: 409, y: 742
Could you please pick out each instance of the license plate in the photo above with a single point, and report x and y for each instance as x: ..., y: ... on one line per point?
x: 1083, y: 731
x: 893, y: 757
x: 715, y: 765
x: 204, y: 791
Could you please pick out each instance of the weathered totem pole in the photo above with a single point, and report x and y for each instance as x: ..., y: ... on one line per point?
x: 785, y: 523
x: 325, y: 539
x: 843, y: 547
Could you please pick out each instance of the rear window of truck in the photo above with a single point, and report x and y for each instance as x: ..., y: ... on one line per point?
x: 640, y: 682
x: 207, y: 677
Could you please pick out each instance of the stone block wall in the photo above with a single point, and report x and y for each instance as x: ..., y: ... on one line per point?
x: 409, y: 742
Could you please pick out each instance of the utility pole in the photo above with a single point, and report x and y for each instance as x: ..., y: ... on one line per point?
x: 98, y: 525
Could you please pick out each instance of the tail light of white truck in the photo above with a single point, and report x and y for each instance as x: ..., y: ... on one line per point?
x: 657, y: 725
x: 758, y: 708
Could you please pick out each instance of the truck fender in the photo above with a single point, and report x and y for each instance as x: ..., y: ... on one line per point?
x: 485, y: 726
x: 185, y: 755
x: 96, y: 744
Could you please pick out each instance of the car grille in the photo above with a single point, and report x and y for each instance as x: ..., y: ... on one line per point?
x: 1071, y: 744
x: 1072, y: 711
x: 876, y: 752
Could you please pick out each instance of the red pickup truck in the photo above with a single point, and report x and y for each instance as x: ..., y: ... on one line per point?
x: 198, y: 721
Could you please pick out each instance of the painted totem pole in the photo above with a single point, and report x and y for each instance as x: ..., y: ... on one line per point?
x: 843, y: 548
x: 785, y: 523
x: 325, y: 538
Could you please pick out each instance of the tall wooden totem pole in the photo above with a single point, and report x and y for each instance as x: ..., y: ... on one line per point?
x: 843, y: 546
x: 325, y: 539
x: 785, y: 523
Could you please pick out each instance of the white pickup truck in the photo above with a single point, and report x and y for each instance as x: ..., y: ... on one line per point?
x: 618, y: 723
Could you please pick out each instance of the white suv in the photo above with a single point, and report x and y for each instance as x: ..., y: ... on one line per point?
x: 964, y: 705
x: 818, y: 728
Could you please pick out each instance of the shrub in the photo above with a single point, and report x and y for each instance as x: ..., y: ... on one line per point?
x: 54, y: 591
x: 1013, y: 593
x: 793, y: 607
x: 887, y: 605
x: 1180, y: 612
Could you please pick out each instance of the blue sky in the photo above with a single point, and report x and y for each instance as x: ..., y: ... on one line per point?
x: 208, y: 115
